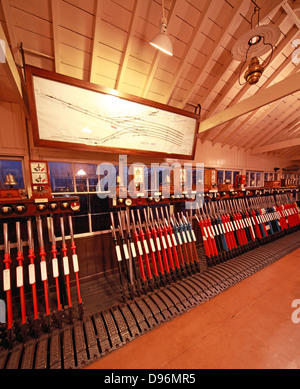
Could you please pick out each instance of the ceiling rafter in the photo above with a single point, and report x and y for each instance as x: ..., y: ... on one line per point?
x: 11, y: 32
x: 214, y: 48
x: 12, y: 72
x: 277, y: 128
x: 263, y: 137
x: 253, y: 113
x: 128, y: 45
x: 245, y: 87
x: 189, y: 47
x: 275, y: 92
x: 277, y: 146
x: 98, y: 11
x: 291, y: 14
x: 55, y: 10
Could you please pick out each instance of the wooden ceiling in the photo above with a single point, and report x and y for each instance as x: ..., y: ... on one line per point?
x: 107, y: 42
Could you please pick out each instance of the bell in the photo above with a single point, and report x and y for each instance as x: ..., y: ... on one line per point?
x: 254, y: 71
x: 10, y: 180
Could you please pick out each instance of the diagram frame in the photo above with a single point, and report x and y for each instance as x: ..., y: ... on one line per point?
x: 139, y: 127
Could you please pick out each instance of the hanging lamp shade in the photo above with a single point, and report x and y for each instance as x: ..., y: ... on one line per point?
x: 162, y: 40
x: 255, y: 42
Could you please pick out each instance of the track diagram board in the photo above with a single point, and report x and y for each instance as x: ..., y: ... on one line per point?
x: 75, y: 115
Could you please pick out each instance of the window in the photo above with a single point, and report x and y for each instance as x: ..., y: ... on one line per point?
x: 220, y: 177
x: 268, y: 176
x: 61, y: 177
x: 254, y: 178
x: 15, y: 170
x: 227, y: 176
x: 81, y: 179
x: 234, y: 174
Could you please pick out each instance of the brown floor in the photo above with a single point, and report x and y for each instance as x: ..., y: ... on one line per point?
x: 248, y: 326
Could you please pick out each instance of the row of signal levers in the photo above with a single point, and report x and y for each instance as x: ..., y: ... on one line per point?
x: 45, y: 319
x: 159, y: 248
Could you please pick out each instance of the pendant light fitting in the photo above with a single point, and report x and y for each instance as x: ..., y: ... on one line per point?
x: 254, y: 43
x: 162, y: 40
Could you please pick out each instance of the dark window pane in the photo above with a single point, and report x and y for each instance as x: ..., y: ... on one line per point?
x: 15, y: 169
x: 84, y: 204
x: 61, y: 176
x: 81, y: 184
x: 220, y: 177
x: 235, y: 173
x: 80, y: 224
x: 98, y: 205
x: 228, y: 175
x: 101, y: 221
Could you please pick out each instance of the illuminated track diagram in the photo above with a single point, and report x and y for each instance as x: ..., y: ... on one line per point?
x: 133, y: 125
x: 157, y: 129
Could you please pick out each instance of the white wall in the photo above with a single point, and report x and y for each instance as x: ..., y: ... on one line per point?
x: 223, y: 157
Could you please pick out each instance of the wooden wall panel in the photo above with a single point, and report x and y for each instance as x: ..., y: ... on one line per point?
x: 220, y: 157
x: 12, y: 130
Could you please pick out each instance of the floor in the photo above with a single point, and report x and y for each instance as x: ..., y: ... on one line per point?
x: 248, y: 326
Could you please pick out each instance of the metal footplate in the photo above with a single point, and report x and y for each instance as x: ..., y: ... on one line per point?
x: 3, y: 358
x: 130, y: 320
x: 112, y: 330
x: 55, y: 350
x: 140, y: 319
x: 165, y: 310
x: 91, y: 339
x: 185, y: 293
x: 200, y: 296
x: 28, y: 354
x: 121, y: 324
x: 68, y: 349
x: 15, y: 356
x: 146, y: 312
x: 102, y: 333
x: 179, y: 304
x: 155, y: 309
x: 80, y: 345
x: 41, y: 352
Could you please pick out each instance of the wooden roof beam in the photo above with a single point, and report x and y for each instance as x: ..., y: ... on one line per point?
x: 290, y: 36
x: 245, y: 86
x: 275, y: 92
x: 263, y: 137
x: 189, y: 48
x: 55, y: 6
x: 10, y: 69
x: 11, y: 32
x: 128, y: 45
x: 96, y: 33
x: 222, y: 36
x: 277, y: 146
x: 291, y: 14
